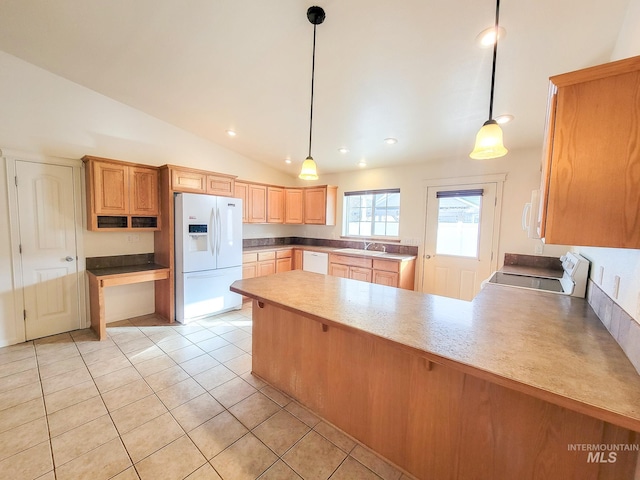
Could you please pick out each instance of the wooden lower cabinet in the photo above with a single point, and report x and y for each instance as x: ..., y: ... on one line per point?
x: 389, y: 279
x: 266, y: 267
x: 392, y: 273
x: 284, y: 261
x: 297, y: 259
x: 264, y: 263
x: 339, y: 270
x: 435, y: 421
x: 359, y: 273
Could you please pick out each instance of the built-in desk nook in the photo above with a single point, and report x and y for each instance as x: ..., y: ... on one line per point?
x: 117, y: 270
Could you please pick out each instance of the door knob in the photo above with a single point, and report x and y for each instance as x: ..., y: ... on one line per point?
x: 69, y: 259
x: 427, y: 257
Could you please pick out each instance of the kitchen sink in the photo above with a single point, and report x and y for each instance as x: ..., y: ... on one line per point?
x: 357, y: 251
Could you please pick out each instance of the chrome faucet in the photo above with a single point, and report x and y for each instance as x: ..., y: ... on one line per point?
x: 367, y: 244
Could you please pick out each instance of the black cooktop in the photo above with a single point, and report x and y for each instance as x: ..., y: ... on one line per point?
x: 535, y: 283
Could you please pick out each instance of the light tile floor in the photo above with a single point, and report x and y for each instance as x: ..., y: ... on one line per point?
x: 162, y: 402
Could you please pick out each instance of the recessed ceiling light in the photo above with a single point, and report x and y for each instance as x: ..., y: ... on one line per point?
x: 231, y: 133
x: 287, y: 160
x: 390, y: 141
x: 502, y: 119
x: 362, y: 163
x: 343, y: 150
x: 487, y: 37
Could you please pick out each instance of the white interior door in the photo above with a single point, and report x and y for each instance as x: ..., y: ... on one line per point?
x: 47, y: 234
x: 459, y: 239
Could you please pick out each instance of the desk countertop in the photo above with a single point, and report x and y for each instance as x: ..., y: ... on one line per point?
x: 121, y: 270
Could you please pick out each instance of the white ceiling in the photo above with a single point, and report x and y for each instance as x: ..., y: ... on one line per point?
x: 408, y: 69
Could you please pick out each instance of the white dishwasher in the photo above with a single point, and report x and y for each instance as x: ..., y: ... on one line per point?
x: 317, y: 262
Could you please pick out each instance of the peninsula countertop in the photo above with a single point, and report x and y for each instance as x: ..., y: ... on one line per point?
x: 552, y: 347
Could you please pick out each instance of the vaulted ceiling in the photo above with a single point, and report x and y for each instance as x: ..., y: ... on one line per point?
x: 408, y: 69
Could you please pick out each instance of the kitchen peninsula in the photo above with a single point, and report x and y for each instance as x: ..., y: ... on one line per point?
x: 502, y: 387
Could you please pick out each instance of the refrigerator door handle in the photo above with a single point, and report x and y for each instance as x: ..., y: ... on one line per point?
x: 219, y: 241
x: 212, y: 231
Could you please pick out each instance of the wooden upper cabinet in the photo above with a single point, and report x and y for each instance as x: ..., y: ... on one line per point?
x: 320, y: 205
x: 110, y: 184
x: 222, y: 185
x: 590, y: 184
x: 121, y: 195
x: 275, y: 204
x: 143, y: 191
x: 294, y: 205
x: 241, y: 191
x: 257, y: 200
x: 189, y: 181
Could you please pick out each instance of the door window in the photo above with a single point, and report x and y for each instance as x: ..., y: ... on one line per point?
x: 458, y: 230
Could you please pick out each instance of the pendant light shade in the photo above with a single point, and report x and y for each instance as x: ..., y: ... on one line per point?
x: 316, y: 16
x: 489, y: 143
x: 308, y: 170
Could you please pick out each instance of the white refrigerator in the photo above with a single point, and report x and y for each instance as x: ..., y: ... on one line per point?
x: 208, y: 254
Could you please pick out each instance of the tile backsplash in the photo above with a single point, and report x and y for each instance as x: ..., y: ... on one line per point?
x: 622, y: 327
x: 323, y: 242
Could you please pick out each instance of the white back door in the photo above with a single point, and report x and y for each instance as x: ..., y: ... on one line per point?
x: 47, y: 230
x: 459, y: 239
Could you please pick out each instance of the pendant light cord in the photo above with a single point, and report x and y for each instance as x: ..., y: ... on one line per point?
x: 313, y: 71
x: 495, y: 56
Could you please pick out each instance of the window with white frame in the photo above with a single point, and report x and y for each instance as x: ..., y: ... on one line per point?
x: 372, y: 213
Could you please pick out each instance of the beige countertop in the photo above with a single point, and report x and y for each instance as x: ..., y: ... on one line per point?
x: 549, y: 346
x: 273, y: 248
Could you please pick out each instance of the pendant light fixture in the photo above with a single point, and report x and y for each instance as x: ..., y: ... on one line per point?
x: 489, y: 142
x: 308, y: 172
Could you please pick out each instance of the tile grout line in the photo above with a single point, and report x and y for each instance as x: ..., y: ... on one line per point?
x: 46, y: 411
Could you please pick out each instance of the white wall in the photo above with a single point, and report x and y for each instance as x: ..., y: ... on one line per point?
x: 523, y: 176
x: 624, y: 263
x: 45, y: 114
x: 8, y: 330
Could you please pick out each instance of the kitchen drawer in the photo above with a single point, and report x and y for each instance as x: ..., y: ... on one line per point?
x: 283, y: 254
x: 351, y: 261
x: 266, y: 256
x: 249, y: 257
x: 386, y: 265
